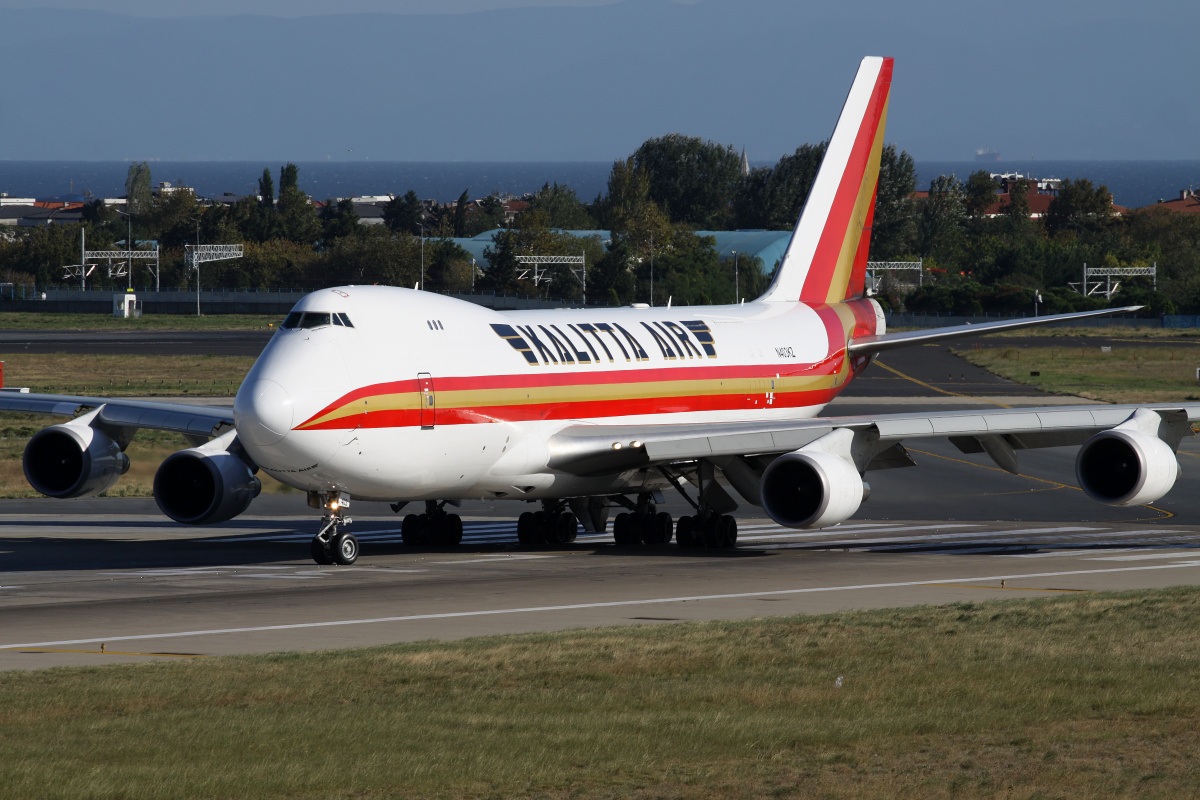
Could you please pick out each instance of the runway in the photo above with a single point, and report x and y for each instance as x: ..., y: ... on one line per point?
x: 106, y: 580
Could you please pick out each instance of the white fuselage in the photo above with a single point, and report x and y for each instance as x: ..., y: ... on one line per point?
x: 426, y: 397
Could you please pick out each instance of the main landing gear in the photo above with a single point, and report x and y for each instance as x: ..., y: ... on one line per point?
x: 331, y: 546
x: 553, y: 525
x: 645, y: 524
x: 709, y: 527
x: 435, y: 527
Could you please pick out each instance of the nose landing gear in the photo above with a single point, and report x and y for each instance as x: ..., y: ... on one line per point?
x: 331, y: 546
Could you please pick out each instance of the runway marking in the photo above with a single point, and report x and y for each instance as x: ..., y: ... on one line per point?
x: 584, y: 606
x: 1143, y: 557
x: 1011, y: 588
x: 1067, y: 553
x: 496, y: 559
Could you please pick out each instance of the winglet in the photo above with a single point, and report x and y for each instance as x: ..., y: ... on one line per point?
x: 826, y: 259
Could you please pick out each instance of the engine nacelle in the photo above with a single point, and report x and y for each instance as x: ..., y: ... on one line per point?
x: 1126, y: 467
x: 72, y: 460
x: 203, y: 486
x: 811, y: 489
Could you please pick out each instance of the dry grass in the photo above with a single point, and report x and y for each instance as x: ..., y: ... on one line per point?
x: 126, y: 375
x: 1125, y: 375
x: 1091, y: 696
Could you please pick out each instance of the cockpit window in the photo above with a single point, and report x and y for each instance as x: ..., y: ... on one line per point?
x: 314, y: 319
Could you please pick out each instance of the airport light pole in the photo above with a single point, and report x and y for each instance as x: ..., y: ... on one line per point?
x: 652, y: 268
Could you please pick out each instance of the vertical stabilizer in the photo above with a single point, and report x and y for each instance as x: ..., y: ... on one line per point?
x: 826, y: 259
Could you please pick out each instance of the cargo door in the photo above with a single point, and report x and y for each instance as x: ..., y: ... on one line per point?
x: 427, y: 399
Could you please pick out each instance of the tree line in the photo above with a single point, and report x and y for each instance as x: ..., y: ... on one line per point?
x: 976, y: 258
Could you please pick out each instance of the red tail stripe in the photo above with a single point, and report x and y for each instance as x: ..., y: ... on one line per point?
x: 816, y: 284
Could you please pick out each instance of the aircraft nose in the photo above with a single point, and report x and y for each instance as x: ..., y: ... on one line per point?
x: 263, y: 410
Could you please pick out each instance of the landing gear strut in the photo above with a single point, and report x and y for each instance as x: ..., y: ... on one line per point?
x: 435, y: 527
x: 645, y: 524
x: 331, y: 546
x: 553, y: 525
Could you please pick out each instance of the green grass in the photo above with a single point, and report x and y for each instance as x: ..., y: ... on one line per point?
x: 20, y: 320
x: 1125, y: 375
x: 1087, y: 696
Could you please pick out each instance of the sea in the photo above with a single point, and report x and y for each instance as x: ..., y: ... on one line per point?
x: 1133, y: 183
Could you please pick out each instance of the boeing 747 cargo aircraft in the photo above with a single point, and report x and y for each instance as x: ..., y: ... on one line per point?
x: 382, y: 393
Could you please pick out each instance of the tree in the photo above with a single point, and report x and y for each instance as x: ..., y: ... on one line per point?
x: 692, y: 180
x: 773, y: 198
x: 338, y: 220
x: 460, y: 214
x: 266, y: 189
x: 980, y: 193
x: 297, y: 217
x: 629, y: 212
x: 138, y: 195
x: 563, y: 208
x: 487, y: 216
x: 939, y: 230
x: 404, y: 214
x: 892, y: 228
x: 1017, y: 209
x: 1079, y: 206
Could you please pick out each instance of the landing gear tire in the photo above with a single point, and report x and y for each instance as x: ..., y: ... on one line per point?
x: 655, y: 528
x: 720, y: 531
x: 685, y: 532
x: 452, y: 530
x: 320, y: 552
x: 343, y: 548
x: 412, y: 530
x: 568, y: 525
x: 527, y: 529
x: 624, y: 531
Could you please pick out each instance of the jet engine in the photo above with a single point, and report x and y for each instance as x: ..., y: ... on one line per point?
x: 811, y: 489
x: 1126, y: 467
x: 205, y: 485
x: 73, y: 460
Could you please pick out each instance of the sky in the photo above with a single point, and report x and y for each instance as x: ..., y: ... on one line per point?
x: 588, y: 80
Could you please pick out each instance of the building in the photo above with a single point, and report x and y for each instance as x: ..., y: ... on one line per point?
x: 1187, y: 203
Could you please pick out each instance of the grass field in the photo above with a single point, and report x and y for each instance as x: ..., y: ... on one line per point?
x: 1091, y: 695
x: 126, y: 375
x: 1125, y: 375
x: 19, y: 320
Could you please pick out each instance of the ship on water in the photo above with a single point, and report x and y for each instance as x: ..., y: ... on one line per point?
x: 986, y: 154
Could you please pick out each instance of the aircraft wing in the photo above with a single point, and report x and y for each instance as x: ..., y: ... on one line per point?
x: 876, y: 439
x: 889, y: 341
x: 190, y: 420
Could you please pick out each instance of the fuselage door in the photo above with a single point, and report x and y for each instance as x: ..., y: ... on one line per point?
x: 427, y: 399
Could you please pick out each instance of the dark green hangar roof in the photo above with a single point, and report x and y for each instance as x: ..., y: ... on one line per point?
x: 767, y: 246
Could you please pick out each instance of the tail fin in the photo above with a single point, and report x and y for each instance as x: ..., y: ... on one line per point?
x: 826, y: 260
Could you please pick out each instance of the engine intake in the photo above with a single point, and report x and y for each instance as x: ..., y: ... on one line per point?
x: 1123, y: 467
x: 202, y: 486
x: 811, y: 489
x: 72, y: 460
